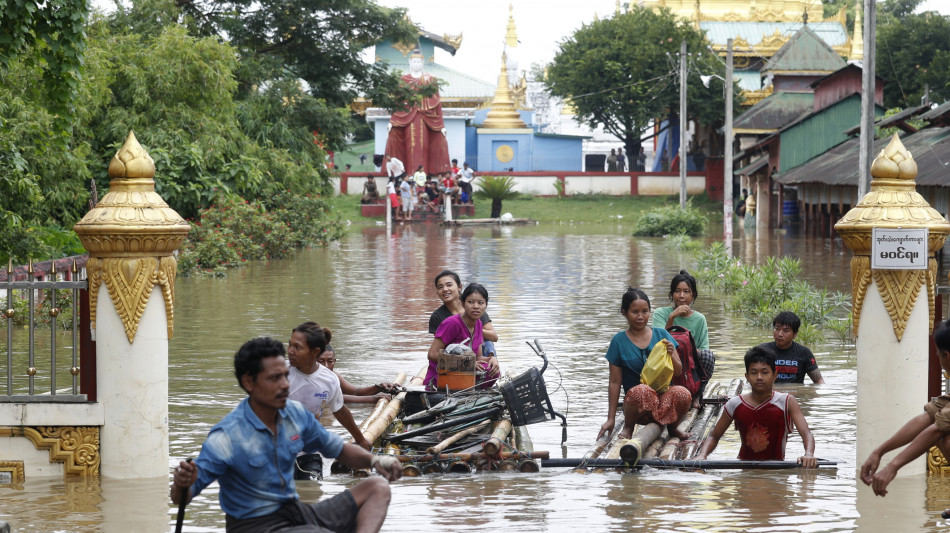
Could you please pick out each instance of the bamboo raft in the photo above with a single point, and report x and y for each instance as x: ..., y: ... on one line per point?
x: 461, y: 432
x: 652, y: 442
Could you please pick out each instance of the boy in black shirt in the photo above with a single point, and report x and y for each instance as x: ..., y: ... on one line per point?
x: 792, y: 360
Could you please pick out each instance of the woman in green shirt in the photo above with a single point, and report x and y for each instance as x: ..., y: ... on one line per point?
x: 682, y: 294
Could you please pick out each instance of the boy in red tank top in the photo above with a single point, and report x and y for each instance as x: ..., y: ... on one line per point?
x: 763, y: 416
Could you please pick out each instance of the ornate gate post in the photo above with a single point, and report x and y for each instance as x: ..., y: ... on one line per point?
x: 130, y: 236
x: 893, y: 309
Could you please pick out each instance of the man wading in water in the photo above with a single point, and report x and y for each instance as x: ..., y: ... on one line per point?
x: 251, y: 453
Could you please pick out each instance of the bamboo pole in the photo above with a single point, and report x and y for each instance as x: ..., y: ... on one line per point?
x: 474, y: 456
x: 672, y: 444
x: 381, y: 404
x: 709, y: 464
x: 381, y: 423
x: 523, y: 439
x: 495, y: 443
x: 457, y: 437
x: 633, y: 449
x: 653, y: 450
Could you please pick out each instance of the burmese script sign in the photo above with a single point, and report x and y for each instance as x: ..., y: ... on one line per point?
x: 899, y: 249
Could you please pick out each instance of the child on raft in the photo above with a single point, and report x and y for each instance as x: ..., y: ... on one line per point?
x: 763, y: 416
x: 627, y: 355
x: 930, y: 428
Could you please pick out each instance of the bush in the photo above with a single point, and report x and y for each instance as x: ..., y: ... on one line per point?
x: 234, y: 231
x: 760, y: 293
x: 670, y: 221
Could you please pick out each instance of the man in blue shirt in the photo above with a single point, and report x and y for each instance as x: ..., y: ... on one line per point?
x: 251, y: 454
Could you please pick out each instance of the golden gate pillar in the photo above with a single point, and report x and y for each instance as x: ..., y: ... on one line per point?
x: 894, y: 234
x: 131, y: 236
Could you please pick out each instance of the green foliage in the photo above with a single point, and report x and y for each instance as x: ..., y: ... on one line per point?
x: 683, y: 242
x: 913, y: 50
x: 43, y: 304
x: 760, y: 293
x: 496, y: 188
x: 318, y: 41
x: 234, y: 231
x: 620, y: 73
x: 48, y: 35
x: 670, y: 220
x: 559, y: 187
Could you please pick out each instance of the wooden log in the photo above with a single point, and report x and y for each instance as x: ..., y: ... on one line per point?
x: 457, y: 437
x: 653, y: 450
x: 495, y: 443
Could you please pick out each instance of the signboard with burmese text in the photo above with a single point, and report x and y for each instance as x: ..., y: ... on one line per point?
x: 899, y: 249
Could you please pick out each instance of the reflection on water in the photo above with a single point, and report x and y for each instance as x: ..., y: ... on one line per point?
x: 559, y: 284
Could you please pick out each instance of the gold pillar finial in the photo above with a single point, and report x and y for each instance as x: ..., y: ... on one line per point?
x: 893, y: 202
x: 131, y: 235
x: 857, y: 39
x: 503, y: 113
x: 511, y: 32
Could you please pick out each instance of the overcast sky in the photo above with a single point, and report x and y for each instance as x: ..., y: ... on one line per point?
x: 541, y: 25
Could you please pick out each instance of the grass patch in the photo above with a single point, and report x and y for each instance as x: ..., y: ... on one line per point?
x: 577, y: 208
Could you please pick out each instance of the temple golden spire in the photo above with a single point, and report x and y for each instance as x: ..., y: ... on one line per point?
x: 857, y: 40
x: 503, y: 113
x: 511, y: 35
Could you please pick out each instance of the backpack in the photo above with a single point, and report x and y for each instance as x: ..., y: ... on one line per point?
x: 693, y: 373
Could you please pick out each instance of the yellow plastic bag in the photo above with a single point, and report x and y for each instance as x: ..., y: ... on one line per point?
x: 658, y: 370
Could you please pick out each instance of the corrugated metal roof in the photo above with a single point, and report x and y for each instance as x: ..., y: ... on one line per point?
x: 818, y: 132
x: 753, y: 166
x: 887, y: 122
x: 718, y: 32
x: 748, y: 81
x: 455, y: 84
x: 775, y: 111
x: 937, y: 112
x: 930, y: 148
x: 805, y: 51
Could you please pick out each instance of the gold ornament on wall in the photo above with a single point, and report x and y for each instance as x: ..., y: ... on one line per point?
x: 76, y: 447
x: 131, y: 236
x: 936, y: 463
x: 893, y: 202
x: 504, y: 153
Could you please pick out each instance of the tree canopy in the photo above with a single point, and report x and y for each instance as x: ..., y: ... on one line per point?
x: 622, y: 73
x: 913, y: 51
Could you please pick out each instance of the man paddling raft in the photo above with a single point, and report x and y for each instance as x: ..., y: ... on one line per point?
x: 251, y: 454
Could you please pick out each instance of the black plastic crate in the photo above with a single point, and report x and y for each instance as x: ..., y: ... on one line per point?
x: 527, y: 399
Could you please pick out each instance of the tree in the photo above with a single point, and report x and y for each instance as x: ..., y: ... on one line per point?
x: 497, y: 189
x: 913, y: 50
x: 50, y: 34
x: 317, y: 41
x: 622, y: 73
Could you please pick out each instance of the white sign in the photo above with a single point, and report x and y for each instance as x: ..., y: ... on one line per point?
x: 899, y: 249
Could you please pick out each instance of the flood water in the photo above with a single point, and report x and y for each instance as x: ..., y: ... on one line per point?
x: 560, y: 284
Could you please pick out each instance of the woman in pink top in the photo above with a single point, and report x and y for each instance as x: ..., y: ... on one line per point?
x: 465, y: 328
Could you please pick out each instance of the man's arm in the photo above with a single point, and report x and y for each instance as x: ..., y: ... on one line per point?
x: 489, y: 333
x: 355, y: 457
x: 185, y: 476
x: 713, y: 440
x: 798, y: 418
x: 345, y: 417
x: 816, y: 378
x: 905, y: 434
x: 917, y: 447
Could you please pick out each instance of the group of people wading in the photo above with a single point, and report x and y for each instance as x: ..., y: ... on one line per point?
x: 273, y: 437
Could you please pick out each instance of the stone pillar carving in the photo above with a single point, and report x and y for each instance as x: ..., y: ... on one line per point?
x: 131, y: 236
x: 893, y: 309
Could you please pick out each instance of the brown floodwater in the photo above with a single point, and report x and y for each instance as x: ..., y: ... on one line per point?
x: 560, y: 284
